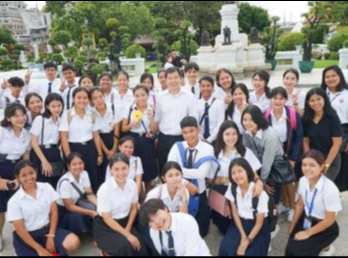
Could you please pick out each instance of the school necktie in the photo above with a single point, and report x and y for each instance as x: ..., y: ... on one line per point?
x: 49, y: 87
x: 193, y: 90
x: 68, y: 97
x: 206, y: 122
x: 171, y: 248
x: 190, y: 159
x: 17, y: 101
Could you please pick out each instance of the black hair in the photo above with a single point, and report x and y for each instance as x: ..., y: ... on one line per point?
x: 188, y: 121
x: 316, y: 155
x: 69, y: 67
x: 172, y: 70
x: 309, y: 113
x: 29, y: 96
x: 118, y: 157
x: 148, y: 209
x: 294, y: 71
x: 145, y: 76
x: 279, y: 91
x: 257, y: 117
x: 170, y: 165
x: 141, y: 87
x: 208, y: 79
x: 220, y: 144
x: 191, y: 66
x: 84, y: 77
x: 10, y: 111
x: 125, y: 139
x: 50, y: 65
x: 230, y: 108
x: 245, y: 165
x: 342, y: 85
x: 124, y: 73
x: 161, y: 71
x: 72, y: 156
x: 264, y: 76
x: 16, y: 82
x: 91, y: 91
x: 52, y: 97
x: 22, y: 164
x: 78, y: 90
x: 103, y: 75
x: 218, y: 74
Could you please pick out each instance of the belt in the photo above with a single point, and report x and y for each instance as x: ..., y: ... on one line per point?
x: 80, y: 143
x: 138, y: 134
x: 4, y: 160
x: 48, y: 146
x: 315, y: 219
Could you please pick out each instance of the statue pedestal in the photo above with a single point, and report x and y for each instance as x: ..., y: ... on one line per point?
x: 256, y: 57
x: 226, y: 58
x: 205, y: 58
x: 229, y: 14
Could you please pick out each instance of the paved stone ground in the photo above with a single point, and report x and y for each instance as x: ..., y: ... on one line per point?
x: 213, y: 239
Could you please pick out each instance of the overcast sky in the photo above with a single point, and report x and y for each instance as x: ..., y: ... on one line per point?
x: 290, y: 10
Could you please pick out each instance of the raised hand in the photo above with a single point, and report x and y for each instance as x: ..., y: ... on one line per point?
x: 5, y: 84
x: 62, y: 84
x: 27, y: 77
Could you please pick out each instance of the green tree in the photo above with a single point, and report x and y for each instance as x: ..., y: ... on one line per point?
x: 270, y: 38
x: 62, y: 37
x: 57, y: 58
x: 6, y: 36
x: 3, y: 52
x: 252, y: 16
x: 56, y: 7
x: 336, y: 42
x: 134, y: 49
x: 290, y: 41
x: 318, y: 34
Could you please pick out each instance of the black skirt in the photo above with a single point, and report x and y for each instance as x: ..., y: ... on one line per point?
x: 342, y: 178
x: 108, y: 140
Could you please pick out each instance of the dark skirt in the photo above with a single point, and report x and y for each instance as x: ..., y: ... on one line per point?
x: 112, y: 242
x: 314, y: 245
x: 74, y: 222
x: 145, y: 150
x: 22, y: 249
x: 145, y: 236
x: 203, y: 215
x: 220, y: 221
x: 90, y: 155
x: 230, y: 243
x: 335, y: 168
x: 52, y: 155
x: 108, y: 140
x: 342, y: 178
x: 165, y: 144
x: 6, y: 172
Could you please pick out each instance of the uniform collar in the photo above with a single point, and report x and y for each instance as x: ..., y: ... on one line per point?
x: 72, y: 179
x: 259, y: 134
x: 320, y: 184
x: 114, y: 185
x: 249, y: 193
x: 173, y: 226
x: 284, y: 115
x: 108, y: 109
x: 39, y: 191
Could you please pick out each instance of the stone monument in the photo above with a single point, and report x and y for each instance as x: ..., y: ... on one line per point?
x: 227, y: 36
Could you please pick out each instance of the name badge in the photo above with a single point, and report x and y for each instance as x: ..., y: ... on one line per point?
x: 307, y: 223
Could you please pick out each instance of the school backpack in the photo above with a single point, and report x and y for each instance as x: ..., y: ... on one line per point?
x: 272, y: 217
x: 94, y: 117
x: 292, y: 114
x: 194, y: 199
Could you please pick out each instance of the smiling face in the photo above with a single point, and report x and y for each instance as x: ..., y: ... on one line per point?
x: 162, y: 80
x: 16, y: 90
x: 239, y: 97
x: 290, y: 81
x: 332, y: 80
x: 122, y: 82
x: 120, y: 171
x: 192, y: 76
x: 81, y: 100
x: 55, y: 107
x: 105, y: 84
x: 173, y: 178
x: 69, y: 76
x: 148, y: 83
x: 160, y: 221
x: 51, y: 73
x: 316, y: 103
x: 278, y: 102
x: 35, y: 105
x: 141, y: 97
x: 206, y: 89
x: 191, y: 135
x: 174, y: 81
x: 239, y: 175
x: 249, y: 124
x: 98, y: 99
x: 230, y: 137
x: 225, y: 80
x: 76, y: 166
x: 18, y: 120
x: 311, y: 169
x: 127, y: 148
x: 27, y: 177
x: 87, y: 83
x: 259, y: 84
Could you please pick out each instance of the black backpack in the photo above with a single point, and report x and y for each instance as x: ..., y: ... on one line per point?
x: 272, y: 218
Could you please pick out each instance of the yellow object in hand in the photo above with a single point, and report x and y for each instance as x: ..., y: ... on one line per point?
x: 137, y: 115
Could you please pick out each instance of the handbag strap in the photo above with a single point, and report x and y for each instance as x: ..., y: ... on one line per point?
x: 42, y: 130
x: 74, y: 186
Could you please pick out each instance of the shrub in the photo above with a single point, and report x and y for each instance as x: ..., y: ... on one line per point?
x: 334, y: 56
x: 193, y: 46
x: 135, y: 48
x: 290, y: 41
x: 336, y: 43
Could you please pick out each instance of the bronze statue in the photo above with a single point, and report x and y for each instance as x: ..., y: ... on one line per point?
x: 227, y: 36
x: 254, y: 35
x: 205, y: 38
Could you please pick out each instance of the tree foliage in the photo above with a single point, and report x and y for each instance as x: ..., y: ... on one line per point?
x: 290, y: 41
x: 6, y: 36
x: 252, y: 16
x: 62, y: 37
x: 270, y: 38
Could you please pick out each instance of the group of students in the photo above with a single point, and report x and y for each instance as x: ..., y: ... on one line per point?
x: 194, y: 138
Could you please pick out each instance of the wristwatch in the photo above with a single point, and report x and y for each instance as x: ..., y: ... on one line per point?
x: 327, y: 167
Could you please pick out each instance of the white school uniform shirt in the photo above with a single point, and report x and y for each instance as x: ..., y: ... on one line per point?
x: 135, y: 169
x: 168, y: 65
x: 220, y: 94
x: 202, y: 150
x: 11, y: 99
x: 170, y: 110
x: 339, y: 102
x: 108, y: 121
x: 327, y: 198
x: 34, y: 212
x: 111, y: 198
x: 42, y: 87
x: 124, y: 102
x: 161, y: 192
x: 189, y: 87
x: 80, y: 130
x: 15, y: 147
x: 67, y: 191
x: 68, y: 91
x: 51, y: 130
x: 111, y: 97
x: 185, y: 232
x: 244, y: 204
x: 263, y: 103
x: 301, y: 99
x: 216, y: 117
x: 144, y: 122
x: 281, y: 126
x: 225, y: 163
x: 237, y: 118
x: 152, y: 100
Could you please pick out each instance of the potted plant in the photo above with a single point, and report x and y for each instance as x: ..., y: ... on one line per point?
x: 270, y: 38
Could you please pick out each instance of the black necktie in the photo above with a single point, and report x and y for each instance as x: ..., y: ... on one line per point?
x: 171, y: 248
x: 190, y: 159
x: 68, y: 97
x: 193, y: 90
x: 49, y: 87
x: 206, y: 122
x: 17, y: 101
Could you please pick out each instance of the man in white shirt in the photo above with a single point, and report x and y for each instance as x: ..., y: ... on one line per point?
x: 173, y: 234
x: 192, y: 72
x: 68, y: 86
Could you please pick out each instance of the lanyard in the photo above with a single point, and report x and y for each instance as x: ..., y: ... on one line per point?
x: 337, y: 95
x: 311, y: 206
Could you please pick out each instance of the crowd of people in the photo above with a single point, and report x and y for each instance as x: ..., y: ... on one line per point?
x: 147, y: 172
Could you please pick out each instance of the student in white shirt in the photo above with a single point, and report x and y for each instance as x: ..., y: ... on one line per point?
x: 195, y: 150
x: 127, y: 146
x: 68, y: 85
x: 210, y: 111
x: 240, y: 101
x: 105, y: 84
x: 14, y: 145
x: 72, y: 217
x: 117, y: 207
x: 173, y: 234
x: 261, y: 96
x: 34, y: 104
x: 34, y: 215
x: 161, y: 75
x: 314, y: 227
x: 191, y: 70
x: 226, y: 83
x: 229, y: 146
x: 15, y: 85
x: 249, y: 233
x: 297, y: 97
x: 173, y: 105
x: 147, y: 80
x: 86, y: 82
x: 124, y: 96
x: 109, y: 117
x: 169, y: 62
x: 45, y: 140
x: 79, y: 132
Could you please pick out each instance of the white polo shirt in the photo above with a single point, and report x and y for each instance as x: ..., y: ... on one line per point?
x: 220, y: 94
x: 124, y: 102
x: 50, y: 130
x: 144, y: 125
x: 263, y: 103
x: 68, y: 94
x: 135, y: 169
x: 110, y: 99
x: 301, y: 99
x: 110, y: 118
x: 15, y: 147
x: 339, y: 102
x: 281, y: 126
x: 42, y: 87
